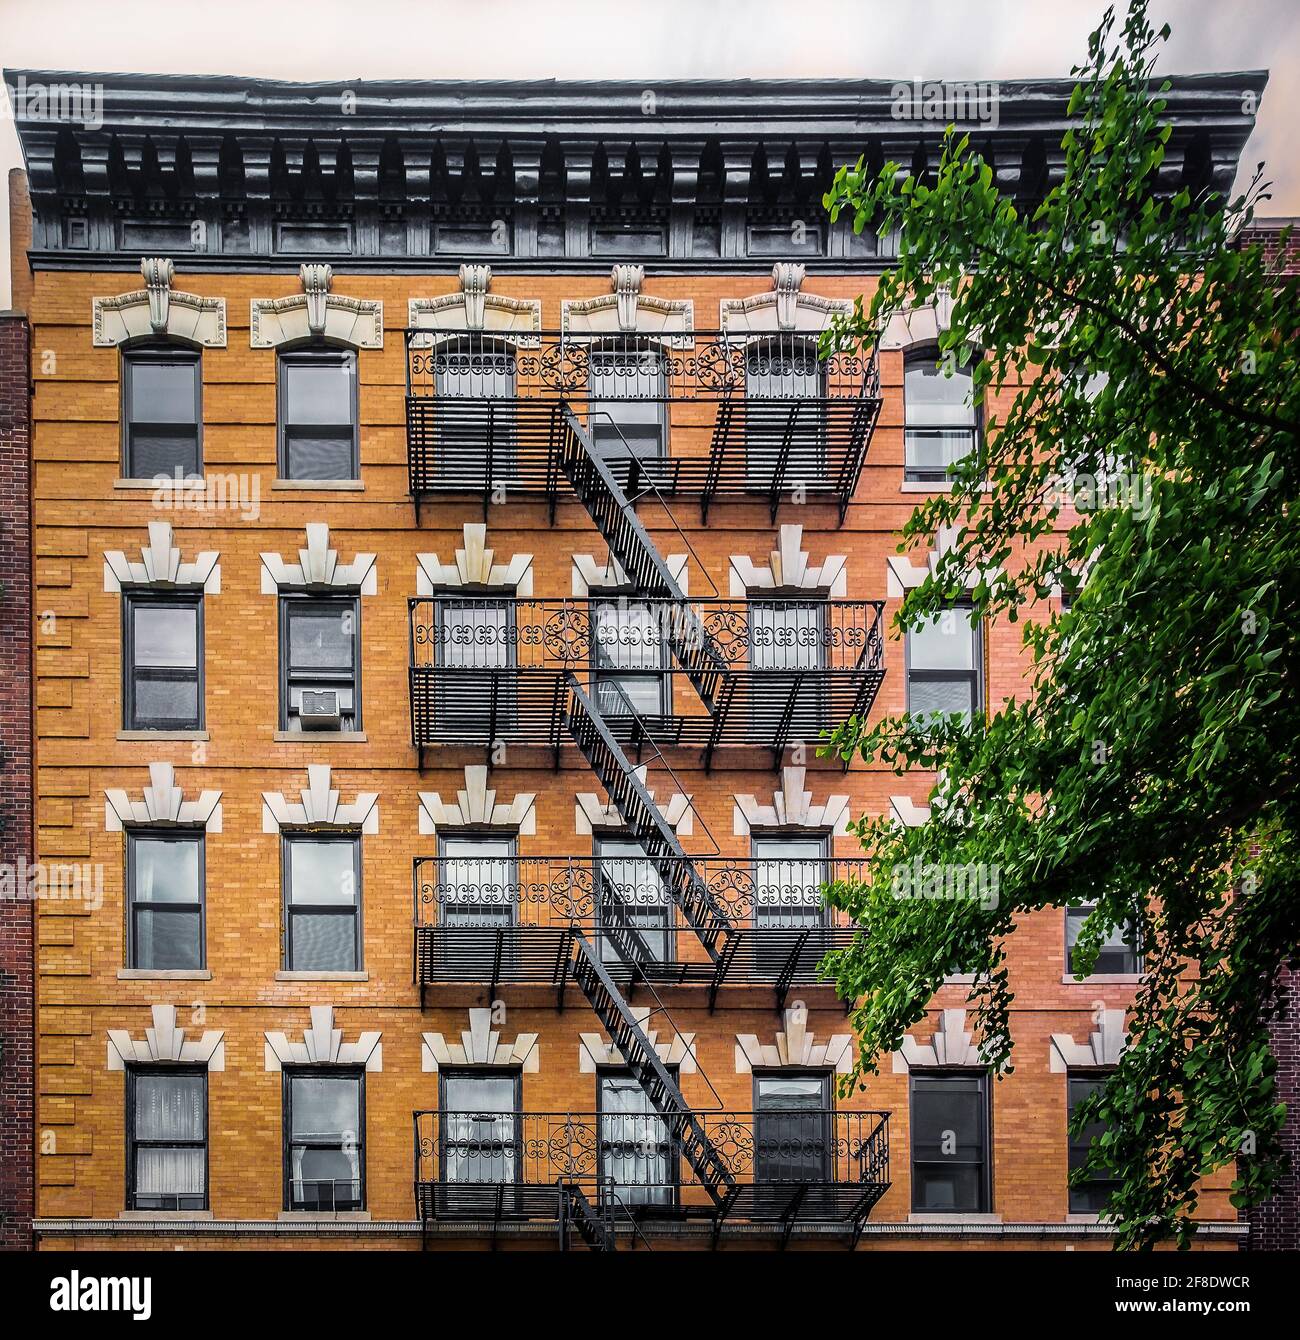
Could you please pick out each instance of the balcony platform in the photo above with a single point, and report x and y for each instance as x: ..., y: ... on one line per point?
x: 815, y: 1167
x: 822, y: 667
x: 780, y: 419
x: 517, y: 920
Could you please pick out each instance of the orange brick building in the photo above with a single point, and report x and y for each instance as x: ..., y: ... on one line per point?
x: 449, y: 545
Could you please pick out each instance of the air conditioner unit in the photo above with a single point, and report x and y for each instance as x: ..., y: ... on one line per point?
x: 318, y: 709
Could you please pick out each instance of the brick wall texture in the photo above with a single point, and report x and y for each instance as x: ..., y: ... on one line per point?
x: 81, y: 514
x: 17, y: 1056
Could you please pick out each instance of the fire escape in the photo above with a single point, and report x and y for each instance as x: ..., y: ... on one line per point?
x: 543, y: 444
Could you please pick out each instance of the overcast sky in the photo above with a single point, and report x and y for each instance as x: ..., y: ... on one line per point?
x: 647, y: 39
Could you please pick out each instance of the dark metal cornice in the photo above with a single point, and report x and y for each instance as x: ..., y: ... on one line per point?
x: 692, y: 173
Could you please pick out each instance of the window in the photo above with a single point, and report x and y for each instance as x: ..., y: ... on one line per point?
x: 637, y: 1158
x: 162, y: 416
x: 322, y: 884
x: 478, y: 885
x: 476, y: 430
x: 318, y: 414
x: 944, y: 665
x: 325, y: 1139
x: 792, y: 1128
x: 320, y: 651
x: 167, y: 1138
x: 787, y: 639
x: 950, y: 1143
x: 787, y: 634
x: 480, y: 1126
x: 475, y: 634
x: 165, y: 880
x: 162, y: 662
x: 785, y: 412
x: 941, y: 419
x: 630, y: 659
x: 627, y: 389
x: 789, y: 873
x: 625, y: 872
x: 1119, y: 954
x: 1093, y: 1194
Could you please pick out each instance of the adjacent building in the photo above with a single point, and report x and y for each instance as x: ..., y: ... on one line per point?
x: 451, y: 540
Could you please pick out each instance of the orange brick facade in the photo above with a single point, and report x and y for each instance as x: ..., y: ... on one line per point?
x: 80, y: 516
x: 87, y: 996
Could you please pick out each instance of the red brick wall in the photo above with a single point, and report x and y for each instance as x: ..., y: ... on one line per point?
x: 16, y: 945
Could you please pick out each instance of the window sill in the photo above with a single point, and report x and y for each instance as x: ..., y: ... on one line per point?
x: 152, y: 485
x: 319, y: 485
x: 308, y: 736
x: 168, y: 1216
x: 163, y: 735
x: 324, y: 1216
x: 927, y: 1218
x: 164, y: 975
x: 1104, y: 979
x: 285, y: 975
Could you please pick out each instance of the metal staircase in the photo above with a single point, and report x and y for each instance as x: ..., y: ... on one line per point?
x: 685, y: 887
x: 594, y: 1224
x: 685, y: 1130
x: 610, y: 508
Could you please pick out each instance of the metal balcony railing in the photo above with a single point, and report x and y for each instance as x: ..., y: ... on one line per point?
x: 484, y: 670
x: 810, y: 1165
x: 703, y: 414
x: 325, y: 1194
x: 513, y: 919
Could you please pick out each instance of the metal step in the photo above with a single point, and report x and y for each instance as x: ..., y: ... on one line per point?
x: 594, y: 1224
x: 645, y: 822
x: 684, y: 1128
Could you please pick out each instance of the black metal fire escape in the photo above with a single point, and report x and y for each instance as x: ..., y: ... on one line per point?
x: 610, y: 508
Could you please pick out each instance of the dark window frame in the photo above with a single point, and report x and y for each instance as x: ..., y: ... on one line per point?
x: 608, y: 429
x: 1091, y: 1077
x: 514, y: 1073
x: 307, y: 600
x: 482, y: 834
x: 975, y: 675
x: 825, y: 1112
x: 824, y: 837
x: 157, y: 352
x: 1135, y: 948
x: 288, y: 837
x: 986, y: 1133
x: 288, y: 1074
x: 134, y: 598
x: 310, y: 355
x: 670, y: 928
x: 674, y: 1155
x: 622, y: 601
x: 931, y: 355
x: 134, y: 835
x: 133, y: 1074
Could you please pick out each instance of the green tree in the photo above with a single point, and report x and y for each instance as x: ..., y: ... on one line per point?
x: 1150, y: 765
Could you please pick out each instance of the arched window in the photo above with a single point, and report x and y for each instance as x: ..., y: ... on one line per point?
x: 784, y: 367
x: 474, y: 368
x: 475, y: 376
x: 940, y: 416
x: 162, y: 412
x: 627, y: 388
x: 785, y: 417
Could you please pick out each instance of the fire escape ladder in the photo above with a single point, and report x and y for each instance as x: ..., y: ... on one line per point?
x: 685, y: 1130
x: 645, y: 822
x: 608, y: 505
x: 594, y: 1224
